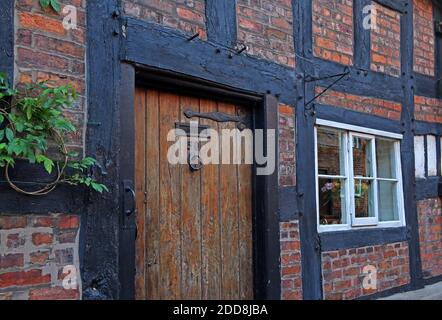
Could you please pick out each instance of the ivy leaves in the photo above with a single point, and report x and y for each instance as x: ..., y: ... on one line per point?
x: 31, y: 121
x: 55, y: 5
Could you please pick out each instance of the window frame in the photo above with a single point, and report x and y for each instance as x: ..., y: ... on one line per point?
x: 353, y: 223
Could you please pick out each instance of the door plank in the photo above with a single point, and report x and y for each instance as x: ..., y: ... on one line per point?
x: 211, y: 231
x: 152, y: 198
x: 140, y: 187
x: 245, y: 218
x: 229, y: 219
x: 190, y: 220
x: 170, y: 216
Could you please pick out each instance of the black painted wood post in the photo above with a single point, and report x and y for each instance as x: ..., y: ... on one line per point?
x: 305, y: 155
x: 407, y: 147
x: 7, y: 39
x: 99, y: 243
x: 221, y: 21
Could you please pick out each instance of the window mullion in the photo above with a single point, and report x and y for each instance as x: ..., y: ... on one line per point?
x: 375, y: 181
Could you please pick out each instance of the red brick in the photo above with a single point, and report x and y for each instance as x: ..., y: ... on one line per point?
x: 56, y: 293
x: 11, y: 260
x: 23, y: 278
x: 39, y: 239
x: 39, y: 257
x: 41, y: 23
x: 31, y: 58
x: 68, y: 222
x: 12, y: 222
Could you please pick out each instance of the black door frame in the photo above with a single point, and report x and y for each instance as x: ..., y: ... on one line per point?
x: 266, y: 246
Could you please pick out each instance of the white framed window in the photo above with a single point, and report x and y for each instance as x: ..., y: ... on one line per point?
x: 358, y: 177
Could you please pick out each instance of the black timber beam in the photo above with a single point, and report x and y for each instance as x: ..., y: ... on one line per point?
x: 170, y: 50
x: 7, y: 39
x: 100, y: 222
x: 221, y: 21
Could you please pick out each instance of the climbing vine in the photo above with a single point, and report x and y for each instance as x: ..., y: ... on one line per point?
x: 54, y: 4
x: 31, y: 121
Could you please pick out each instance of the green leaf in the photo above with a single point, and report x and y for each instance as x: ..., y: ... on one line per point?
x: 9, y: 134
x: 2, y: 118
x: 44, y: 3
x: 55, y: 5
x: 48, y: 164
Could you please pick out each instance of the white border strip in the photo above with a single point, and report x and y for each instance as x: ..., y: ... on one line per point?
x: 350, y: 127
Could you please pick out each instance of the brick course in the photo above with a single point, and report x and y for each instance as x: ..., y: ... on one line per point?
x: 32, y: 256
x: 386, y: 41
x: 333, y: 30
x: 427, y: 109
x: 430, y: 236
x: 287, y: 166
x: 291, y: 277
x: 188, y: 16
x: 343, y: 270
x: 266, y: 27
x: 374, y: 106
x: 424, y: 42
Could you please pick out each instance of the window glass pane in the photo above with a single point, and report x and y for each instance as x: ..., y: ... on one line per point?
x: 385, y: 159
x: 388, y: 201
x: 364, y: 201
x: 331, y: 201
x: 330, y: 152
x: 362, y: 159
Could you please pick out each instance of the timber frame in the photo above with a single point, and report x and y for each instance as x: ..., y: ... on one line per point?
x: 120, y: 50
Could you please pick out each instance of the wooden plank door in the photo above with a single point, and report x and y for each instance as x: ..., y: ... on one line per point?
x: 194, y: 227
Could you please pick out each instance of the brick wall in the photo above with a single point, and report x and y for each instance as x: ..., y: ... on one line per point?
x: 287, y: 166
x: 266, y: 27
x: 46, y: 51
x: 343, y: 270
x: 291, y: 278
x: 386, y: 41
x: 333, y: 30
x: 188, y: 16
x: 430, y: 236
x: 424, y: 41
x: 377, y: 107
x: 428, y: 109
x: 34, y: 250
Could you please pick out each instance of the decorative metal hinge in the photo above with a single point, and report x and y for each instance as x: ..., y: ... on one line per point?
x: 218, y: 117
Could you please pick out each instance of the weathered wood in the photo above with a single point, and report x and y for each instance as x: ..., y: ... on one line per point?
x: 221, y: 21
x: 170, y: 216
x: 190, y: 219
x: 229, y: 219
x: 210, y: 220
x: 140, y: 188
x: 169, y: 50
x: 245, y: 222
x: 152, y: 222
x: 7, y: 39
x: 361, y: 238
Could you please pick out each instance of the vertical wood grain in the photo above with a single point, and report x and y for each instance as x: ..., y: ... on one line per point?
x: 245, y: 220
x: 211, y: 229
x: 229, y: 216
x: 152, y: 226
x: 140, y: 187
x: 190, y: 220
x: 170, y: 211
